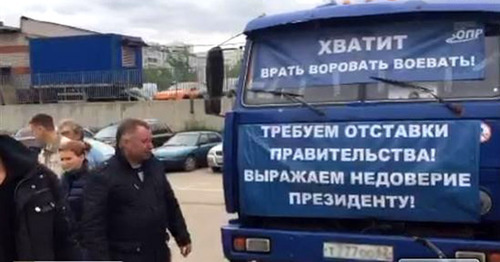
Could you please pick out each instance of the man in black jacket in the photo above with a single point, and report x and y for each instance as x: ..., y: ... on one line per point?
x: 129, y: 204
x: 34, y: 223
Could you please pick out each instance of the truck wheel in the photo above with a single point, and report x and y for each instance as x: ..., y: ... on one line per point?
x: 216, y: 169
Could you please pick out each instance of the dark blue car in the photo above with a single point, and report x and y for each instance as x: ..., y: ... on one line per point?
x: 187, y: 150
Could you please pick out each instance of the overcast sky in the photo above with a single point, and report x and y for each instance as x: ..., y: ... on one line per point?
x: 163, y: 21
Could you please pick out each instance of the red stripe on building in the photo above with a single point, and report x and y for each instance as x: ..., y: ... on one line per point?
x: 14, y: 49
x: 20, y: 70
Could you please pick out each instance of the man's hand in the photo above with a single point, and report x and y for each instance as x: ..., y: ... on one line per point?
x: 186, y: 250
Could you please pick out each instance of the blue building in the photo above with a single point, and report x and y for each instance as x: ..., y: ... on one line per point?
x: 97, y: 67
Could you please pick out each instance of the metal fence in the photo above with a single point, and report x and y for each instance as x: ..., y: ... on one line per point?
x: 147, y: 84
x: 126, y: 78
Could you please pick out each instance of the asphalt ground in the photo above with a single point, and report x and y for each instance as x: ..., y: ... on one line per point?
x: 201, y: 198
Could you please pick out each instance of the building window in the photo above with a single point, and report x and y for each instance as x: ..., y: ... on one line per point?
x: 152, y: 60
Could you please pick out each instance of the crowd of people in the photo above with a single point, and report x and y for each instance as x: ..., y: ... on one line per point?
x: 69, y: 203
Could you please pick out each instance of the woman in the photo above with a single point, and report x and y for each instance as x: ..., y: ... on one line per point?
x: 74, y: 131
x: 34, y: 224
x: 75, y: 168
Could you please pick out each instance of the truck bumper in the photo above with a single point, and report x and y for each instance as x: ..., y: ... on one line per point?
x: 303, y: 246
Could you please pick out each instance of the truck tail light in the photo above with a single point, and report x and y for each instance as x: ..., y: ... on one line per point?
x: 253, y: 245
x: 239, y: 244
x: 494, y: 257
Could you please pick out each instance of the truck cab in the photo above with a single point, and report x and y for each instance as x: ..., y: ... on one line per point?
x: 364, y: 132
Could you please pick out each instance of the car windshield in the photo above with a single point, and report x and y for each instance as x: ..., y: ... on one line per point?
x: 107, y: 132
x: 183, y: 140
x: 338, y: 67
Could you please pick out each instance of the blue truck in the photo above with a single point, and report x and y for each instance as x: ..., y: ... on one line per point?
x: 97, y: 66
x: 364, y: 132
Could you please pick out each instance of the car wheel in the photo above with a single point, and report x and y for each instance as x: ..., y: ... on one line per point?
x: 216, y: 169
x: 190, y: 164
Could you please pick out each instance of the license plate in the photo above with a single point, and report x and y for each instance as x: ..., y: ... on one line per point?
x: 359, y: 252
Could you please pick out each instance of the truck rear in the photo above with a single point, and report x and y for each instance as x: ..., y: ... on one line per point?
x: 366, y: 132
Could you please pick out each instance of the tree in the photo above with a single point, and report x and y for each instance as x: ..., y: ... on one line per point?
x: 178, y: 69
x: 178, y: 60
x: 163, y: 77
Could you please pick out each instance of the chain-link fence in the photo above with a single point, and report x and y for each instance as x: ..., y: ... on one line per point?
x: 146, y: 84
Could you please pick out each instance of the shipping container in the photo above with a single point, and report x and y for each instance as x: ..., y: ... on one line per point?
x: 100, y: 66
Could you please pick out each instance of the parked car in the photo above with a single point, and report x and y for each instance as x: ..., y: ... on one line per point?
x: 215, y: 158
x: 185, y: 90
x: 25, y: 136
x: 107, y: 150
x: 187, y: 150
x: 161, y: 133
x: 87, y: 133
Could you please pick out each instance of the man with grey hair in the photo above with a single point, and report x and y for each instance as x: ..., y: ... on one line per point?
x: 129, y: 204
x: 74, y: 131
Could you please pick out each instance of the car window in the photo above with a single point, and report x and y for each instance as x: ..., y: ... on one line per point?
x: 160, y: 128
x: 183, y: 139
x: 213, y: 138
x: 167, y: 128
x: 24, y: 132
x: 164, y: 128
x: 155, y: 129
x: 87, y: 133
x: 203, y: 139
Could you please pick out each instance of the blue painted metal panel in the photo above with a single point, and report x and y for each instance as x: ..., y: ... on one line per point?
x: 82, y: 60
x: 299, y: 246
x: 138, y: 56
x: 385, y: 8
x: 117, y: 51
x: 72, y: 54
x: 138, y: 59
x: 290, y: 245
x: 230, y: 180
x: 230, y: 176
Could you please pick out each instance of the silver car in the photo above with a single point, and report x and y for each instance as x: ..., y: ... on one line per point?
x: 215, y: 158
